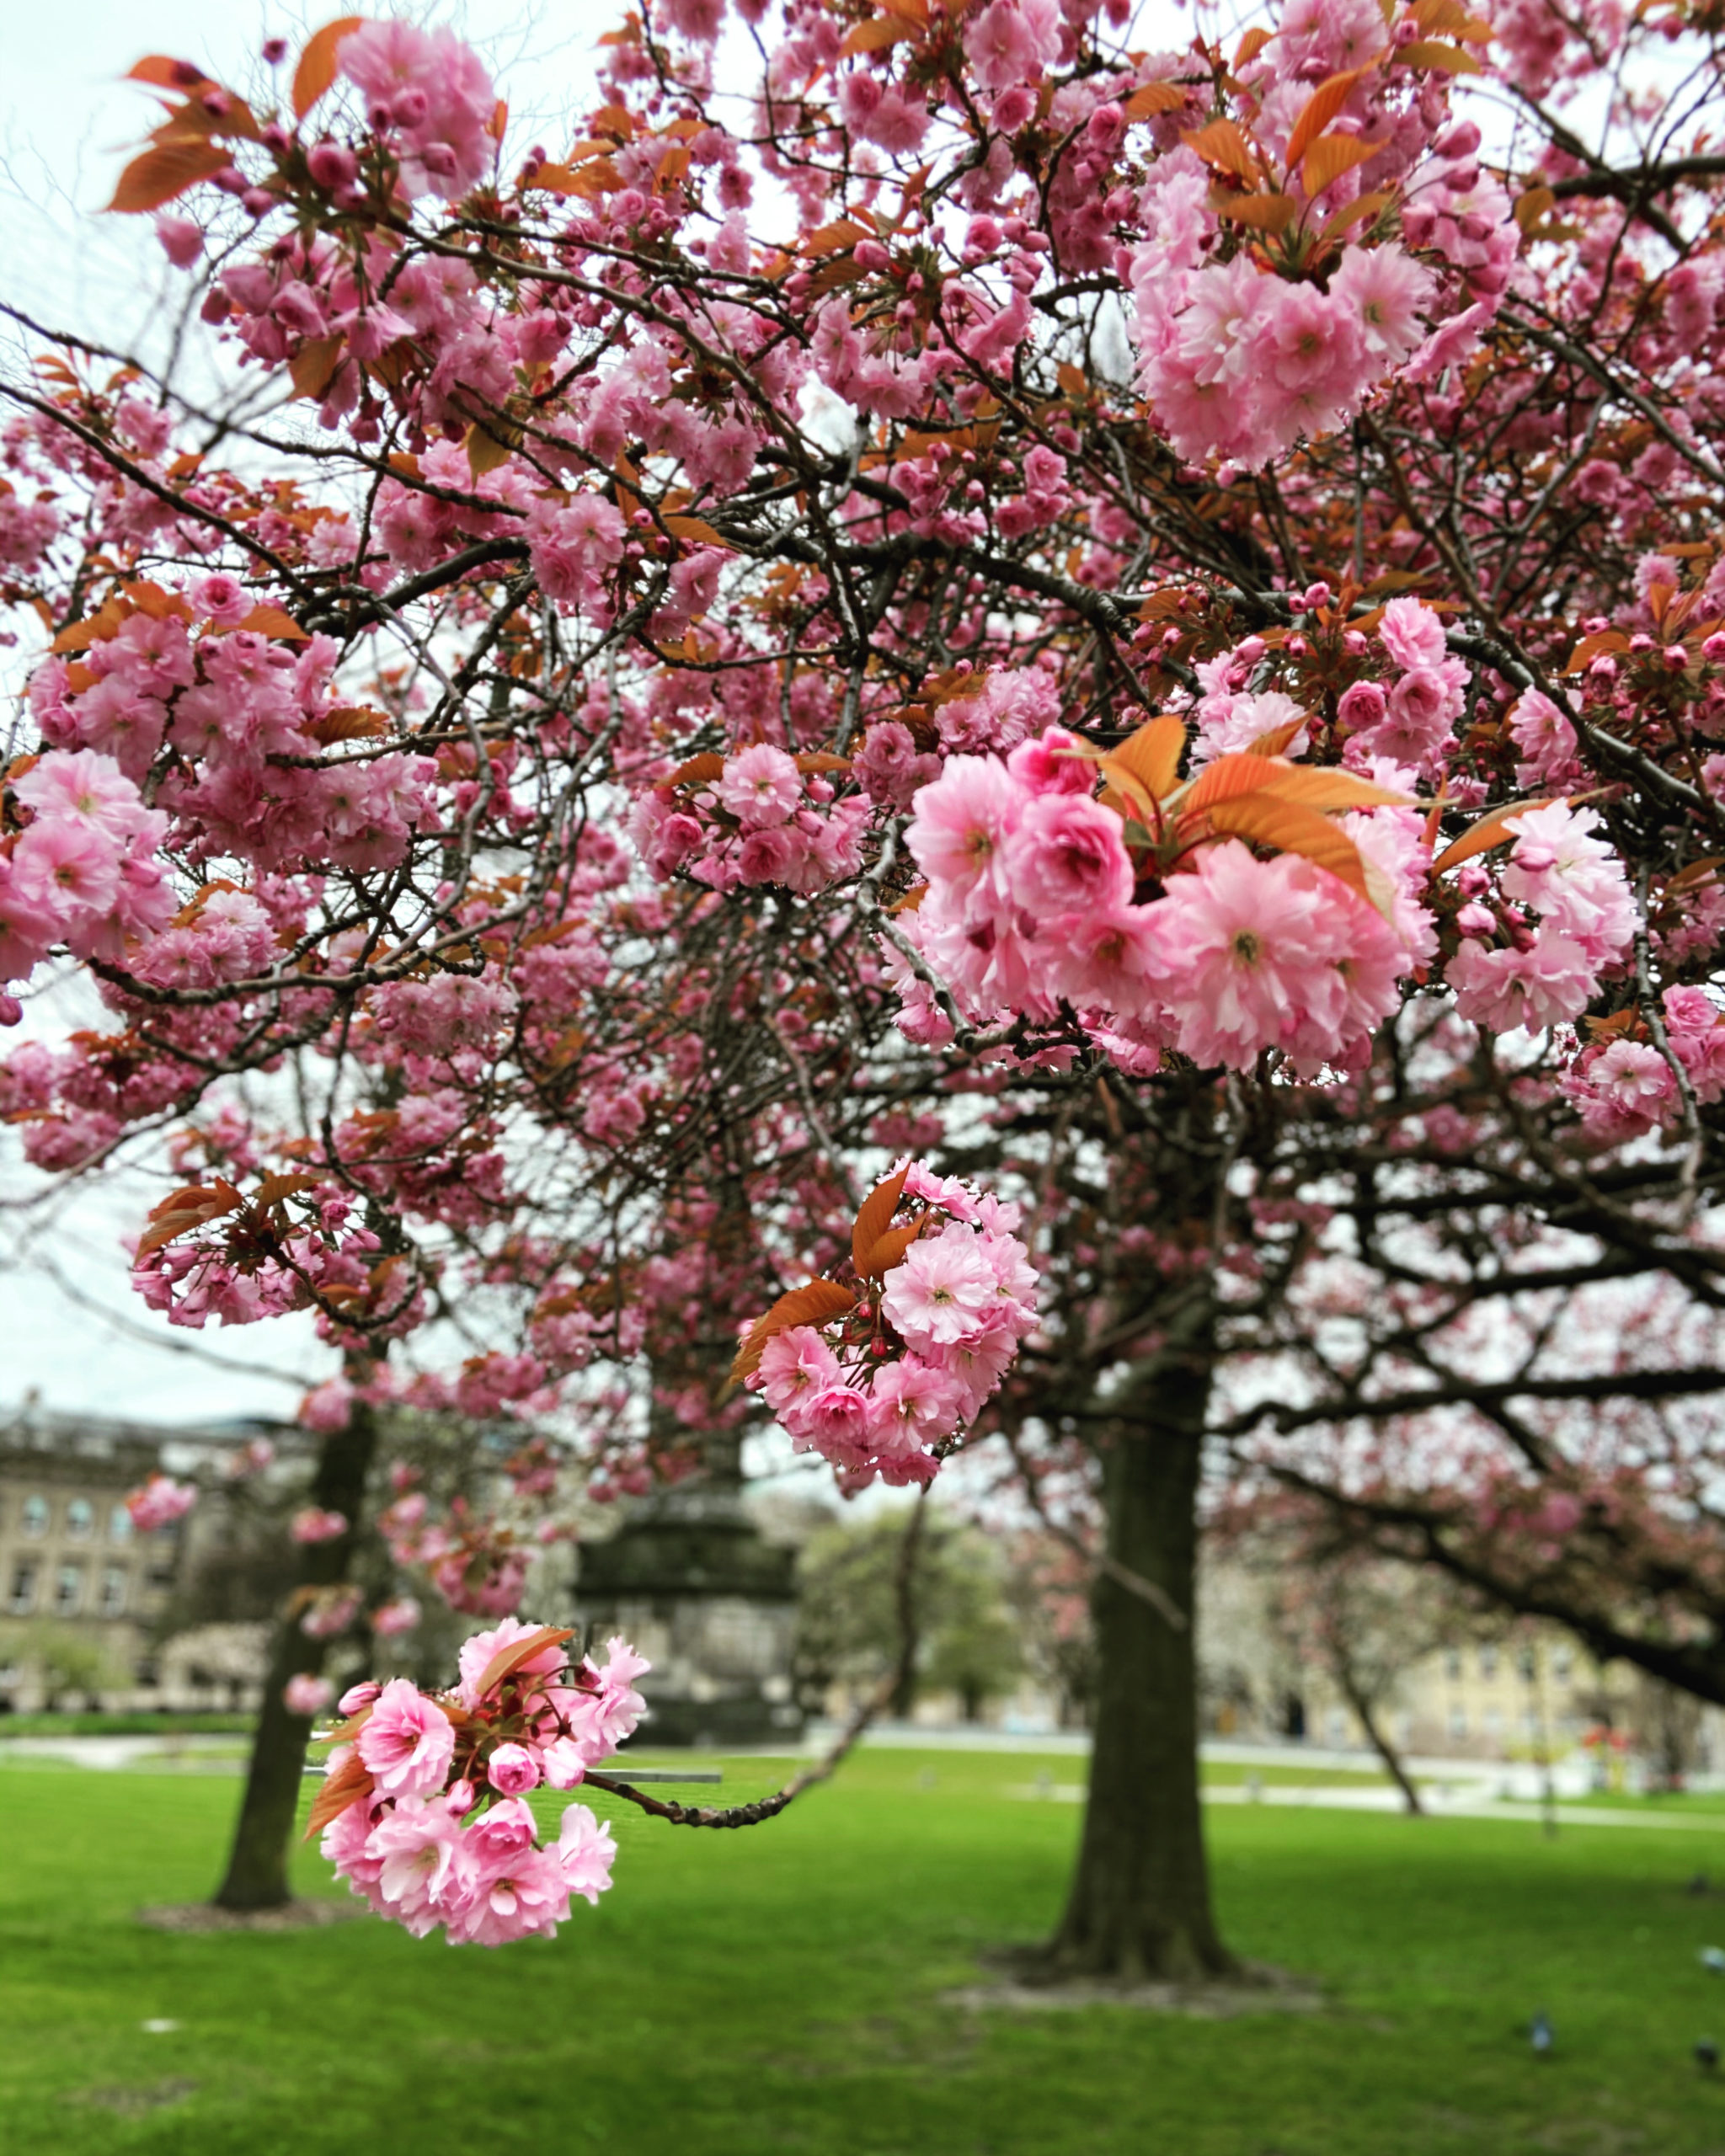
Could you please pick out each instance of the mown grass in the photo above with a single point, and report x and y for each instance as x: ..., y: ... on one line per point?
x: 780, y: 1990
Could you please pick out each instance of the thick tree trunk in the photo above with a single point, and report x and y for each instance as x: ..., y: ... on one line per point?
x: 257, y: 1863
x: 1139, y: 1906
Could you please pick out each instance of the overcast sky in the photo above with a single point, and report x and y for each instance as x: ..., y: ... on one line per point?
x: 67, y: 122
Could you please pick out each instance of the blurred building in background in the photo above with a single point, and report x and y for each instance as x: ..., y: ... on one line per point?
x: 92, y: 1613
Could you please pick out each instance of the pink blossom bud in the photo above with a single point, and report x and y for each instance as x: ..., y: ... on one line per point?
x: 513, y: 1770
x: 231, y: 180
x: 257, y: 201
x: 11, y: 1010
x: 182, y: 241
x: 1460, y: 139
x: 274, y: 51
x: 461, y: 1798
x: 1476, y: 921
x: 331, y: 165
x: 870, y: 254
x: 357, y: 1696
x: 306, y: 1696
x: 1676, y: 657
x: 1714, y: 647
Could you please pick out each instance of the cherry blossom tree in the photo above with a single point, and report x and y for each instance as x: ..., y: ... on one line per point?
x: 1026, y: 722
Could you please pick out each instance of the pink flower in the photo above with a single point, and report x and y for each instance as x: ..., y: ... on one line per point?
x: 391, y: 1619
x: 794, y: 1365
x: 1308, y: 341
x: 221, y: 599
x: 1506, y: 989
x: 513, y: 1770
x: 1386, y: 290
x: 957, y: 833
x: 477, y: 1652
x: 585, y: 1852
x: 938, y: 1293
x: 910, y: 1404
x: 407, y: 1743
x: 311, y: 1525
x: 1011, y: 41
x: 761, y: 787
x: 424, y: 1872
x: 357, y: 1696
x: 1254, y: 953
x: 159, y: 1504
x: 563, y: 1761
x: 1412, y: 634
x: 1575, y: 880
x: 182, y: 241
x: 1065, y: 856
x: 306, y: 1696
x: 1048, y: 765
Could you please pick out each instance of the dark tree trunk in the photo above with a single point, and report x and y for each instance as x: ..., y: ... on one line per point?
x: 257, y: 1863
x: 1139, y: 1906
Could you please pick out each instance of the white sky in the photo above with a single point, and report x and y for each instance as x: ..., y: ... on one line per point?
x: 67, y: 122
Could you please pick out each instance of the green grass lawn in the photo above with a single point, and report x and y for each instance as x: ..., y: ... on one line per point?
x: 779, y: 1989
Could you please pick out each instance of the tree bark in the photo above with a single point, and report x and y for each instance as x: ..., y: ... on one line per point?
x: 1139, y: 1907
x: 257, y: 1865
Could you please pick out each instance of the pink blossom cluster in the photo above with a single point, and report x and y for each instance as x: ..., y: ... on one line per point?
x: 1562, y: 916
x: 765, y: 817
x: 160, y: 1502
x: 425, y: 1802
x: 1032, y: 903
x: 312, y: 1524
x: 880, y: 1389
x: 1624, y: 1086
x: 83, y: 872
x: 306, y: 1694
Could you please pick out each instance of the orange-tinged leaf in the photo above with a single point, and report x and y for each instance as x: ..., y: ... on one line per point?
x: 1583, y: 655
x: 1448, y: 59
x: 1292, y: 829
x: 316, y: 69
x: 1264, y: 213
x: 1329, y: 158
x: 888, y: 1250
x: 274, y: 1189
x: 1151, y: 755
x: 1073, y: 381
x: 696, y: 530
x: 817, y: 1303
x: 1320, y: 109
x: 875, y: 1217
x: 164, y: 72
x: 346, y: 1785
x: 485, y: 452
x: 1279, y: 739
x: 699, y: 771
x: 504, y: 1664
x: 183, y: 1210
x: 1223, y: 147
x: 1153, y: 98
x: 811, y: 762
x: 875, y: 36
x: 1250, y: 46
x: 1489, y: 831
x: 168, y: 170
x: 272, y: 622
x: 314, y: 367
x: 1531, y: 207
x: 352, y: 724
x: 1356, y: 212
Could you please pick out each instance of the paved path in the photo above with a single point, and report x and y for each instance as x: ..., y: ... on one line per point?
x: 1441, y: 1804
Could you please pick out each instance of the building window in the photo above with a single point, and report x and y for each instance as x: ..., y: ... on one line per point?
x: 119, y: 1524
x: 80, y: 1519
x: 113, y: 1590
x: 1530, y: 1665
x: 1561, y: 1663
x: 1336, y: 1727
x: 1452, y: 1664
x: 34, y: 1516
x: 1488, y: 1663
x: 1458, y: 1721
x: 24, y: 1589
x: 1494, y: 1725
x: 69, y: 1590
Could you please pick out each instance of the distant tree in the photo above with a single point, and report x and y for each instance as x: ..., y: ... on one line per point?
x: 852, y: 1619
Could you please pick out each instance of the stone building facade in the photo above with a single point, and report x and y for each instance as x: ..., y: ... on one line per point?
x: 84, y: 1595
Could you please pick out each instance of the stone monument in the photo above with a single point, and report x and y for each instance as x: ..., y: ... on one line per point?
x: 690, y: 1580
